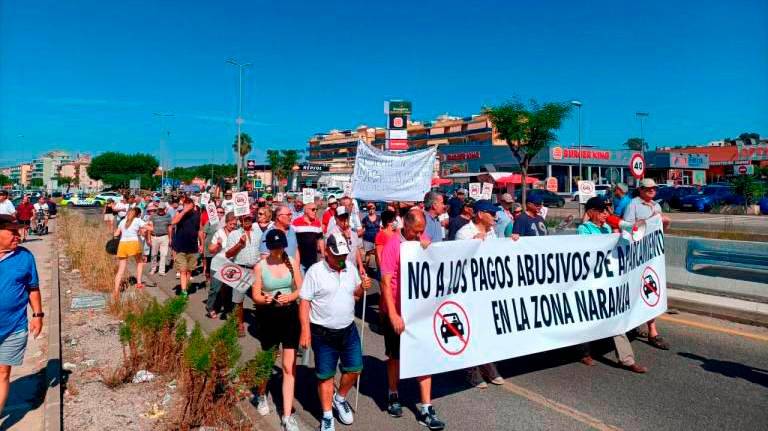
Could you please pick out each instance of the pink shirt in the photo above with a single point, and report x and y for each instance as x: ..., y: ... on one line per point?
x: 390, y: 265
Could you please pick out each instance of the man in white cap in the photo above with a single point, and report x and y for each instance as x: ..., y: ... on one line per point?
x: 327, y: 314
x: 644, y: 207
x: 329, y: 213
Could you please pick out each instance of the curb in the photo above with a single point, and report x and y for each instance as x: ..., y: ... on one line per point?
x: 711, y: 305
x: 53, y: 420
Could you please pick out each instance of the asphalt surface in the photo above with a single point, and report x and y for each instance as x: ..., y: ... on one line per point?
x: 714, y: 377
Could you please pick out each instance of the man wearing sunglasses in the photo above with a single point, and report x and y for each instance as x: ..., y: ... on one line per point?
x: 530, y: 223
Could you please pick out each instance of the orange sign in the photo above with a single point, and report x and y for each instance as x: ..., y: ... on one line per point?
x: 557, y: 153
x: 552, y: 184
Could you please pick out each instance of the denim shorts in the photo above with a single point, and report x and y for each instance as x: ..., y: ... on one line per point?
x: 332, y: 345
x: 12, y: 348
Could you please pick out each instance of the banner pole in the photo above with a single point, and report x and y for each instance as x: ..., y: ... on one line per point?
x: 362, y: 345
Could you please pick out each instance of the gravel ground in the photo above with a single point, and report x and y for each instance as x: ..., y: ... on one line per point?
x: 90, y: 344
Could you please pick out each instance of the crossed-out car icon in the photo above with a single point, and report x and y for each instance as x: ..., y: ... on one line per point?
x: 453, y: 320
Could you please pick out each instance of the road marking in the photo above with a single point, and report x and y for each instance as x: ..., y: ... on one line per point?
x: 560, y: 408
x: 713, y: 328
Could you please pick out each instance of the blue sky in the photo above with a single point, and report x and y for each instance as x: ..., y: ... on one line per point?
x: 88, y: 75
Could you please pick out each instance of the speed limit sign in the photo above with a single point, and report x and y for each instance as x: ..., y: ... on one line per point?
x: 637, y: 166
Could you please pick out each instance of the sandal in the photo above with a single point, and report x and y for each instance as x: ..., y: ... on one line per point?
x: 139, y: 285
x: 211, y: 315
x: 658, y: 342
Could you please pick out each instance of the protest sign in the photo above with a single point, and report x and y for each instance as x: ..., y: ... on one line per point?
x: 586, y: 191
x: 472, y: 302
x: 475, y: 190
x: 279, y: 197
x: 231, y: 274
x: 241, y: 204
x: 205, y: 198
x: 213, y: 217
x: 387, y: 176
x: 307, y: 196
x: 487, y: 191
x: 348, y: 189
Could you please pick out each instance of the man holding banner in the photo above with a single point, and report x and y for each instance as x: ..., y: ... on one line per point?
x: 393, y: 325
x: 597, y: 212
x: 243, y: 249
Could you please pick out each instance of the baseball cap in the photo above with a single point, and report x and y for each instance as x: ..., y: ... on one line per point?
x: 485, y: 205
x: 516, y: 207
x: 342, y: 211
x: 7, y: 222
x: 337, y: 244
x: 595, y: 203
x: 462, y: 191
x: 332, y: 200
x: 276, y: 239
x: 507, y: 198
x: 534, y: 199
x: 163, y: 205
x: 469, y: 202
x: 3, y: 192
x: 647, y: 183
x: 624, y: 188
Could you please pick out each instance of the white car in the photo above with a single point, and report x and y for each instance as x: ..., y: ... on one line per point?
x: 115, y: 196
x: 327, y: 192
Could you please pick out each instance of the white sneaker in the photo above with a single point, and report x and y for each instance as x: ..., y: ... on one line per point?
x: 326, y: 424
x: 498, y: 380
x: 343, y: 410
x: 262, y: 407
x: 178, y: 274
x: 289, y: 423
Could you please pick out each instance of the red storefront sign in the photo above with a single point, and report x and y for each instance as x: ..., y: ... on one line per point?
x: 469, y: 155
x: 559, y: 153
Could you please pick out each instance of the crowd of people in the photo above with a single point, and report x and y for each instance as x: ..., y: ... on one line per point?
x: 311, y: 261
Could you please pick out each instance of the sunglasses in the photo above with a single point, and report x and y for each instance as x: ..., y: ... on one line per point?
x: 310, y: 209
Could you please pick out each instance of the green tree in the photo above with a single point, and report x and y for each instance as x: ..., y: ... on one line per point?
x: 748, y: 136
x: 36, y: 182
x: 117, y: 169
x: 65, y: 180
x: 214, y: 172
x: 5, y: 180
x: 527, y: 129
x: 281, y: 162
x: 635, y: 144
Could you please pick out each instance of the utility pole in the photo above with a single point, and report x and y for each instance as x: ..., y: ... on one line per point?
x: 163, y: 131
x: 577, y: 103
x: 641, y: 116
x: 239, y: 121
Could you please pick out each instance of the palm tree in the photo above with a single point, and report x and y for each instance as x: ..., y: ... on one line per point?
x: 246, y: 145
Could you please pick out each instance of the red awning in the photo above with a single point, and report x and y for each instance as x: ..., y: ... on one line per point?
x: 440, y: 182
x: 516, y: 179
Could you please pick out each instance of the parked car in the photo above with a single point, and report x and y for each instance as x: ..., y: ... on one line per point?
x: 81, y: 200
x: 600, y: 190
x: 327, y: 192
x: 669, y: 197
x: 550, y: 199
x: 115, y: 196
x: 708, y: 198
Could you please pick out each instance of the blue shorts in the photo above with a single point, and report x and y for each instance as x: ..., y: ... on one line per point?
x: 13, y: 347
x: 332, y: 345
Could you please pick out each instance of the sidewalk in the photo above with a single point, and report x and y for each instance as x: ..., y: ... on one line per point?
x: 25, y: 410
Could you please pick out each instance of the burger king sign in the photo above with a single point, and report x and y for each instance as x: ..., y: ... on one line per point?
x: 557, y: 153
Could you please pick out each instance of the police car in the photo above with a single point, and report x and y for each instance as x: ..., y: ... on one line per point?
x: 81, y: 200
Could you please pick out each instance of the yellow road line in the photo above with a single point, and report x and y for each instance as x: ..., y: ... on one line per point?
x: 713, y: 328
x: 560, y: 408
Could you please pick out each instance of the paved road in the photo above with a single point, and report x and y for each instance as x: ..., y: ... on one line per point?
x: 715, y: 377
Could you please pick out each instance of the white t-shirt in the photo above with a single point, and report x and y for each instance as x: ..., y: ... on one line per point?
x: 331, y: 295
x: 249, y: 255
x: 40, y: 207
x: 7, y: 207
x: 638, y: 209
x: 121, y: 208
x: 469, y: 230
x: 220, y: 237
x: 131, y: 233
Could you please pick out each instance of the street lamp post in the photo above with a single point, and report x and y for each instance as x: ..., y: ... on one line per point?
x: 640, y: 116
x: 239, y: 120
x: 577, y: 104
x: 163, y: 130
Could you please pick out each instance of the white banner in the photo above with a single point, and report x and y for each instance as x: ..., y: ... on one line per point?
x: 467, y: 303
x: 387, y: 176
x: 231, y: 274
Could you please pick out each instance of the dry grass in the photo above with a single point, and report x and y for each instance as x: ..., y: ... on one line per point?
x: 84, y: 242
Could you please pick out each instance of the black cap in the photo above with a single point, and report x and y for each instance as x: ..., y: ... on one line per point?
x: 7, y: 222
x: 595, y: 203
x: 276, y: 239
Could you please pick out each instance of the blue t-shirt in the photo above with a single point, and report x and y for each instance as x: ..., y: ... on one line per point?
x: 433, y: 228
x: 19, y: 274
x: 185, y: 233
x: 526, y: 225
x: 620, y: 205
x: 293, y: 244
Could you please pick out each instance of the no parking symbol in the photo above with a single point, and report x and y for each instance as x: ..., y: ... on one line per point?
x: 650, y: 291
x: 451, y: 327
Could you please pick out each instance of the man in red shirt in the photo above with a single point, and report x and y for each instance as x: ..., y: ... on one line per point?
x: 24, y: 213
